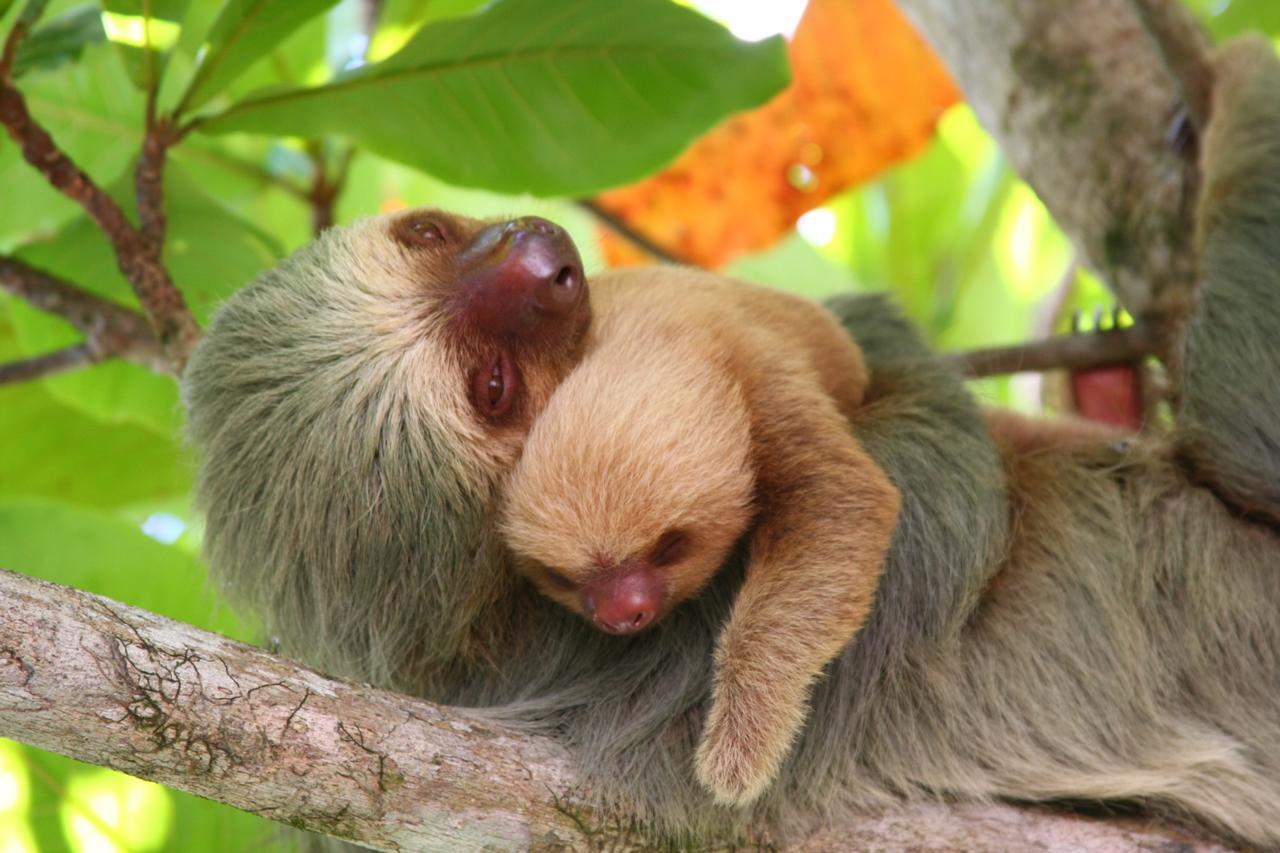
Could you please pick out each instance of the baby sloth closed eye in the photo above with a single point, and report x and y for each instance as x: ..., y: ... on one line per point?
x: 704, y: 411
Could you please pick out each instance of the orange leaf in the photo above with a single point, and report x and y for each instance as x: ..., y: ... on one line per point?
x: 866, y: 92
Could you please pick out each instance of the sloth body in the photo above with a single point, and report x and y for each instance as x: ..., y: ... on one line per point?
x: 1055, y: 617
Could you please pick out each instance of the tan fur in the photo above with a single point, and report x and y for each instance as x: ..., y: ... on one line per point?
x: 700, y: 398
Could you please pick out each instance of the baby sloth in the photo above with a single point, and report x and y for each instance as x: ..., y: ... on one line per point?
x: 706, y: 410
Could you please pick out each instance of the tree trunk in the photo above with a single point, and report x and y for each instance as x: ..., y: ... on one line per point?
x: 1081, y: 104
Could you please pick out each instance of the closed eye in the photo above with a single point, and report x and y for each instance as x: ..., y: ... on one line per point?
x: 559, y: 581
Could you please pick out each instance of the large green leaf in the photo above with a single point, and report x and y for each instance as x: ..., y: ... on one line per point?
x: 527, y: 96
x: 144, y: 32
x: 103, y: 554
x: 54, y: 451
x: 245, y: 31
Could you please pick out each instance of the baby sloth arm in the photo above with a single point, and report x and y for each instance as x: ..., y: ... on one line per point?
x: 826, y: 514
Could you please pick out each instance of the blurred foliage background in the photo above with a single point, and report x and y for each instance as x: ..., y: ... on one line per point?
x: 866, y: 174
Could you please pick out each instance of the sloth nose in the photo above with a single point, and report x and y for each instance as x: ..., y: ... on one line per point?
x: 624, y: 602
x: 521, y: 277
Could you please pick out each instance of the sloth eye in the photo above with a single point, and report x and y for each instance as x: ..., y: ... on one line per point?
x: 496, y: 386
x: 559, y: 581
x: 422, y: 232
x: 670, y: 548
x: 428, y: 231
x: 493, y: 388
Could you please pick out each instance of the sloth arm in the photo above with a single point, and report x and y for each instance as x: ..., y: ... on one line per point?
x: 826, y: 515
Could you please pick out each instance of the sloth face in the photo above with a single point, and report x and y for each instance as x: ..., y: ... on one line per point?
x: 634, y: 483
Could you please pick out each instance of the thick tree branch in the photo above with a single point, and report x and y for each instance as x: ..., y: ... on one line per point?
x: 1080, y: 103
x: 1064, y: 352
x: 113, y: 685
x: 138, y: 252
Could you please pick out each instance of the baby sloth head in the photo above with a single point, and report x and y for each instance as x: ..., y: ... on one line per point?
x: 634, y: 483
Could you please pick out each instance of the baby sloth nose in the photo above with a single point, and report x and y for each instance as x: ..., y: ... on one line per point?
x: 626, y: 601
x: 522, y: 276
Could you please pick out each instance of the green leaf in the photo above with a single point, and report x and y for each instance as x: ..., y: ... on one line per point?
x: 144, y: 32
x: 210, y: 253
x: 245, y: 31
x: 552, y: 99
x: 398, y: 20
x: 99, y: 553
x: 60, y: 40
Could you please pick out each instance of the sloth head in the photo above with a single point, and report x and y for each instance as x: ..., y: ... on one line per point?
x: 353, y: 409
x: 636, y: 481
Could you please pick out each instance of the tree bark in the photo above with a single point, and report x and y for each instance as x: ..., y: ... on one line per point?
x: 1081, y: 103
x: 112, y: 685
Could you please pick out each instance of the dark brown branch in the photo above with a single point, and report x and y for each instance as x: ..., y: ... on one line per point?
x: 1184, y: 46
x: 1065, y: 352
x: 21, y: 29
x: 138, y: 257
x: 109, y: 329
x: 80, y: 355
x: 622, y: 229
x: 325, y: 188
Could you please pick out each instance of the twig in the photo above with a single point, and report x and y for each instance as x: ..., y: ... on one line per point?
x: 110, y: 329
x: 1064, y: 352
x: 138, y: 256
x: 622, y: 229
x: 80, y: 355
x: 325, y: 188
x: 1184, y: 46
x: 21, y: 28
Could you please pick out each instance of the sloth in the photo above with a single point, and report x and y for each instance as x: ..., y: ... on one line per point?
x: 1123, y: 641
x: 1033, y: 613
x: 706, y: 407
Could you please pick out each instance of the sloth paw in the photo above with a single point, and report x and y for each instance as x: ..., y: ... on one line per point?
x: 747, y: 734
x: 731, y: 770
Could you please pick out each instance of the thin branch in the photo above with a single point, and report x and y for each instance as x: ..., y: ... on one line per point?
x: 59, y: 361
x: 326, y: 188
x: 1064, y: 352
x: 137, y: 256
x: 1184, y: 46
x: 622, y: 229
x: 115, y: 686
x: 27, y: 18
x: 110, y: 330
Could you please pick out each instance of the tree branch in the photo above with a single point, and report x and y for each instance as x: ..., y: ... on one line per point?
x: 110, y: 330
x: 80, y: 355
x: 1064, y: 352
x: 618, y: 226
x: 1081, y: 105
x: 119, y: 687
x: 137, y: 253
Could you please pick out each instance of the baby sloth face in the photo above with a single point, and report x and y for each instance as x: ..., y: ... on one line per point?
x: 634, y: 484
